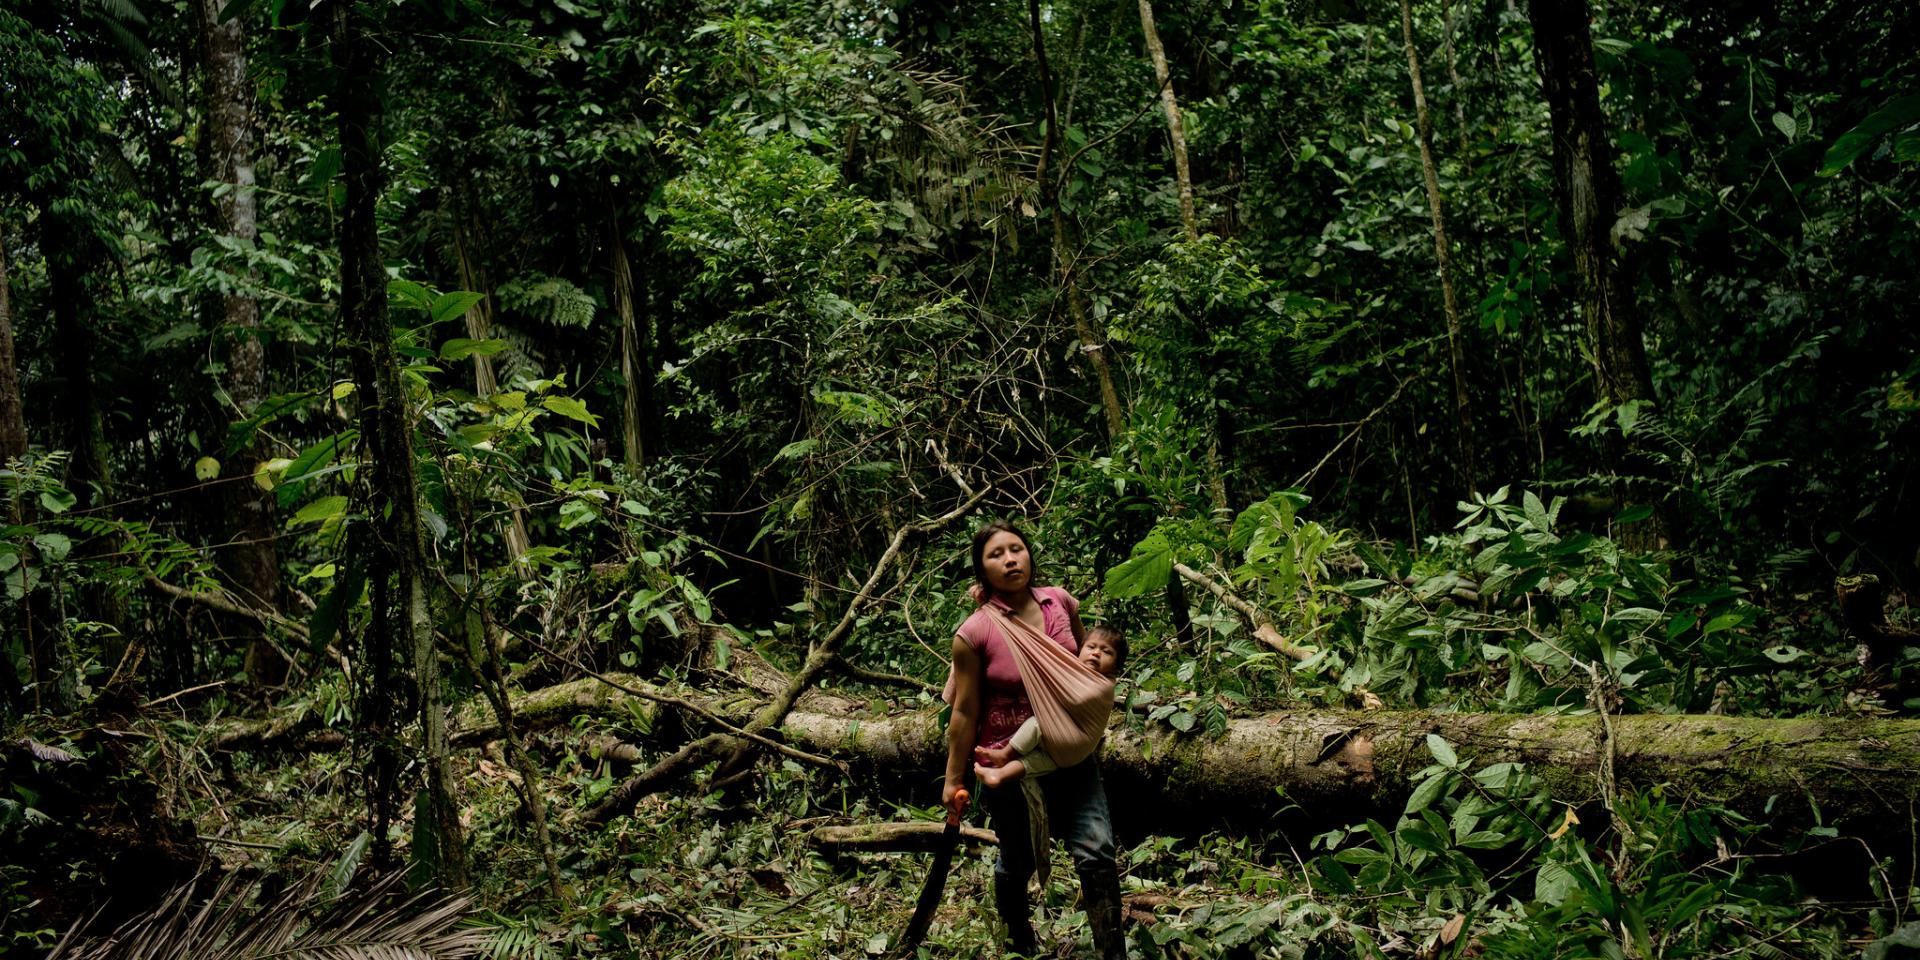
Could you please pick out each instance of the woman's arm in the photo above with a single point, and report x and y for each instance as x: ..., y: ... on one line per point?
x: 964, y: 723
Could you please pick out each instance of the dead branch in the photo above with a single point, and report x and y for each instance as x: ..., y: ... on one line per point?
x: 1263, y: 628
x: 695, y: 755
x: 917, y: 837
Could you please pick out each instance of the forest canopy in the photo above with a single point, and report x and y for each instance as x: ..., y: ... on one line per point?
x: 528, y: 450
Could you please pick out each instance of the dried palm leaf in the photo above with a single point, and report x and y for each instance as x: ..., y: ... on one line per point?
x: 237, y: 922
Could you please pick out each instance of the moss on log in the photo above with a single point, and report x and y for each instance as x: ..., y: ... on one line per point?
x: 1854, y: 768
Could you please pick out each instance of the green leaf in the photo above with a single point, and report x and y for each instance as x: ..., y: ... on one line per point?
x: 1901, y: 112
x: 1553, y: 883
x: 319, y: 511
x: 206, y: 468
x: 410, y: 293
x: 1427, y: 792
x: 1785, y: 653
x: 460, y: 348
x: 332, y: 610
x: 326, y: 165
x: 570, y: 408
x: 53, y: 547
x: 57, y: 500
x: 797, y: 449
x: 1146, y: 571
x: 696, y: 600
x: 450, y: 306
x: 1442, y: 751
x: 234, y: 8
x: 1787, y: 125
x: 1181, y: 721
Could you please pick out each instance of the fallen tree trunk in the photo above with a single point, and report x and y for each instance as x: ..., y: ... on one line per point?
x: 913, y: 837
x: 1859, y: 770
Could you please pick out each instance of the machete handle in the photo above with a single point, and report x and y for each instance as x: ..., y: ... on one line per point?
x: 959, y: 801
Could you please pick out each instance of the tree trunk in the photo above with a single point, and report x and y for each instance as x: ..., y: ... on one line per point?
x: 1588, y: 190
x: 1858, y: 770
x: 1092, y: 344
x: 480, y: 327
x: 1456, y: 356
x: 13, y: 422
x: 90, y: 474
x: 635, y: 366
x: 1176, y: 129
x: 397, y: 569
x: 250, y: 559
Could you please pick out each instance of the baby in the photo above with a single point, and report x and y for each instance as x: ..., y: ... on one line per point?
x: 1104, y: 652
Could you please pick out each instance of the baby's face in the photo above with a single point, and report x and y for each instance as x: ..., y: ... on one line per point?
x: 1100, y: 655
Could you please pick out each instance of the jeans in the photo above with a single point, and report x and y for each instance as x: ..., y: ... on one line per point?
x: 1076, y: 812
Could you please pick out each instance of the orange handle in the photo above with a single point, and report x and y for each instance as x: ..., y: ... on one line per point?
x: 953, y: 816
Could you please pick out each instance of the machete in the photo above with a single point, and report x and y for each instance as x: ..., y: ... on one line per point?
x: 936, y: 878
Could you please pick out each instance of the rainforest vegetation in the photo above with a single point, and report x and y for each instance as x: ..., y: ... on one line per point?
x: 495, y: 477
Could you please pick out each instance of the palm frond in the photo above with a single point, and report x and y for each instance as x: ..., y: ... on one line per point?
x: 239, y: 922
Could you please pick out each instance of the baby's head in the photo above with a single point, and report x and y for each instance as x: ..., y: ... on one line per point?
x: 1105, y: 650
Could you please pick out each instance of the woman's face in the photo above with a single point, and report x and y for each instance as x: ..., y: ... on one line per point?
x: 1006, y: 562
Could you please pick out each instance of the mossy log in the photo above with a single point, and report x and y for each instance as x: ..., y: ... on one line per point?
x: 1861, y: 772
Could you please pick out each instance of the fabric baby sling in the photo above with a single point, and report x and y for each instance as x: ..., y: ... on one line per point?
x: 1070, y: 700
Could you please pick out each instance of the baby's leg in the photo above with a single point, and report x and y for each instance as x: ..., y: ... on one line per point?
x: 996, y: 776
x: 995, y: 756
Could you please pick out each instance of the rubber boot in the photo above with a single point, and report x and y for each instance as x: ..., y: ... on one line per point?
x: 1100, y: 890
x: 1011, y: 902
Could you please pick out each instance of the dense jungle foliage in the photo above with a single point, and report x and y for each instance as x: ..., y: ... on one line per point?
x: 527, y: 449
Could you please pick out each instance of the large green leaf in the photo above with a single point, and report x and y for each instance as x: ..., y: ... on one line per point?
x: 1144, y: 572
x: 331, y: 612
x: 319, y: 511
x: 572, y: 409
x: 1902, y: 112
x: 460, y: 348
x: 449, y: 306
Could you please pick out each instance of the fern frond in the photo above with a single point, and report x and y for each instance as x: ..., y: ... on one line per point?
x: 553, y: 300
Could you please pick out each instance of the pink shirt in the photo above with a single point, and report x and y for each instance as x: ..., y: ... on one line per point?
x: 1003, y: 698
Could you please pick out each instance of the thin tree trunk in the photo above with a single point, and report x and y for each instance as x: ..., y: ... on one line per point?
x: 1588, y: 190
x: 635, y: 367
x: 480, y: 327
x: 13, y: 443
x: 13, y: 423
x: 1092, y: 344
x: 1176, y: 129
x: 499, y: 695
x: 401, y: 618
x: 90, y: 473
x: 1459, y: 94
x: 480, y: 318
x: 1456, y: 357
x: 1190, y: 227
x: 250, y: 558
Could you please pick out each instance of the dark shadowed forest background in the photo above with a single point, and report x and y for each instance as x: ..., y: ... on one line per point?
x: 528, y: 448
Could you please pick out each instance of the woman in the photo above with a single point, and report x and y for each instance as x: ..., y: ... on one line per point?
x: 989, y: 704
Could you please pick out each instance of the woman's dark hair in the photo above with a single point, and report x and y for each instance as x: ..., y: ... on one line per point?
x: 1115, y: 639
x: 980, y: 538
